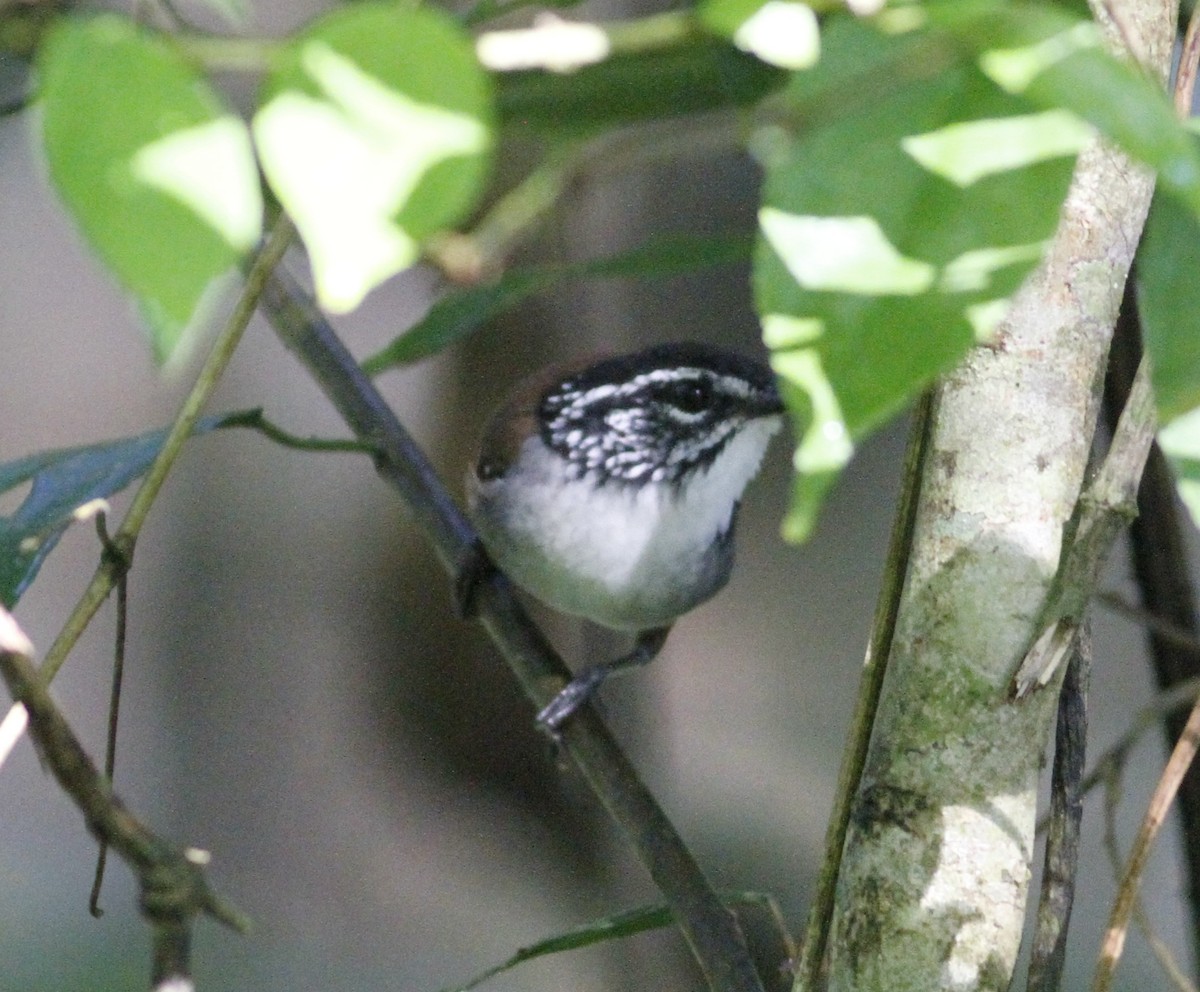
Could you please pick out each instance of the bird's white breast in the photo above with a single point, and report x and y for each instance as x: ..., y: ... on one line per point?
x: 626, y: 556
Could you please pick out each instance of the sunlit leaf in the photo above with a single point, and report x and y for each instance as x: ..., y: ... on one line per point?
x: 375, y: 131
x: 896, y: 223
x: 1053, y: 58
x: 158, y: 174
x: 782, y: 33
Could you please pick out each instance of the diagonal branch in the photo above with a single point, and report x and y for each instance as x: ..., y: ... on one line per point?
x: 711, y: 931
x: 1105, y: 507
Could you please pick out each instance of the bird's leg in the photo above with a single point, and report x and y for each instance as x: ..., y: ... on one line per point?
x: 581, y: 688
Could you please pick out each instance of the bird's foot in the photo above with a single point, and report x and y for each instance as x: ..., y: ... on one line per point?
x: 570, y: 698
x: 576, y: 693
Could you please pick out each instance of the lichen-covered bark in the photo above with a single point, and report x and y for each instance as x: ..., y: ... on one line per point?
x: 935, y: 878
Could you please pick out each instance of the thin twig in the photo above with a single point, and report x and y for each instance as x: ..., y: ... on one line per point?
x: 173, y: 887
x: 816, y: 933
x: 712, y: 933
x: 481, y: 253
x: 1166, y: 591
x: 1179, y: 697
x: 1189, y: 58
x: 512, y: 220
x: 255, y: 420
x: 114, y: 704
x: 1127, y: 893
x: 1184, y: 751
x: 1061, y: 862
x: 1172, y: 633
x: 1106, y: 505
x: 1112, y: 780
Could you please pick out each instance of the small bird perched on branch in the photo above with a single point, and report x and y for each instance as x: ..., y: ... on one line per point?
x: 610, y: 490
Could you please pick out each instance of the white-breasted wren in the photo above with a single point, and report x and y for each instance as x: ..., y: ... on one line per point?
x: 610, y: 490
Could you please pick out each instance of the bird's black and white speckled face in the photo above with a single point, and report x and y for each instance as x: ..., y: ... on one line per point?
x: 611, y: 491
x: 655, y: 416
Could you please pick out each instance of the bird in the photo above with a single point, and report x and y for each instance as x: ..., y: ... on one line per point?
x: 609, y: 489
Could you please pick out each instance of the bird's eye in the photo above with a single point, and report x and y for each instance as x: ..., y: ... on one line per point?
x: 691, y: 396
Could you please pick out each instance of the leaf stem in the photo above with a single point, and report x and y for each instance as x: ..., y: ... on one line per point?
x: 215, y: 53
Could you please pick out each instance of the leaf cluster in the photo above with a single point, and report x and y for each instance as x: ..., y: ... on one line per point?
x: 914, y: 164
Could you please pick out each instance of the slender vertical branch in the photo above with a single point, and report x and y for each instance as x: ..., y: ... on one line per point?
x: 816, y: 934
x: 1060, y: 865
x: 185, y: 421
x: 1157, y: 548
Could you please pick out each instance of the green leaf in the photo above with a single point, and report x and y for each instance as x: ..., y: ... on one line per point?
x: 1054, y: 59
x: 375, y: 131
x: 460, y: 312
x: 62, y: 481
x: 457, y: 315
x: 697, y: 75
x: 615, y: 927
x: 1180, y: 441
x: 911, y: 203
x: 158, y: 174
x: 610, y: 928
x: 1169, y: 304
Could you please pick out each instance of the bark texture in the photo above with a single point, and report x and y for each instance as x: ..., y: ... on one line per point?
x: 935, y: 878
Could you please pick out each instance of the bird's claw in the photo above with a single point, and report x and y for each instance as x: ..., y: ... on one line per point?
x: 570, y: 699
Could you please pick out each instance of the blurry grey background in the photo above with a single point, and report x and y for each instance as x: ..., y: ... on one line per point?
x: 301, y: 701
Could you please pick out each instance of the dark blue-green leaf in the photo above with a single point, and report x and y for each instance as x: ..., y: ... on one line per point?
x: 62, y: 481
x: 615, y: 927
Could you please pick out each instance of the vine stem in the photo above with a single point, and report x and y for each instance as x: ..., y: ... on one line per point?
x: 172, y: 880
x: 113, y: 565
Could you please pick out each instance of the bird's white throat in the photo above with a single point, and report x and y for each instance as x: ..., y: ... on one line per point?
x: 627, y: 556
